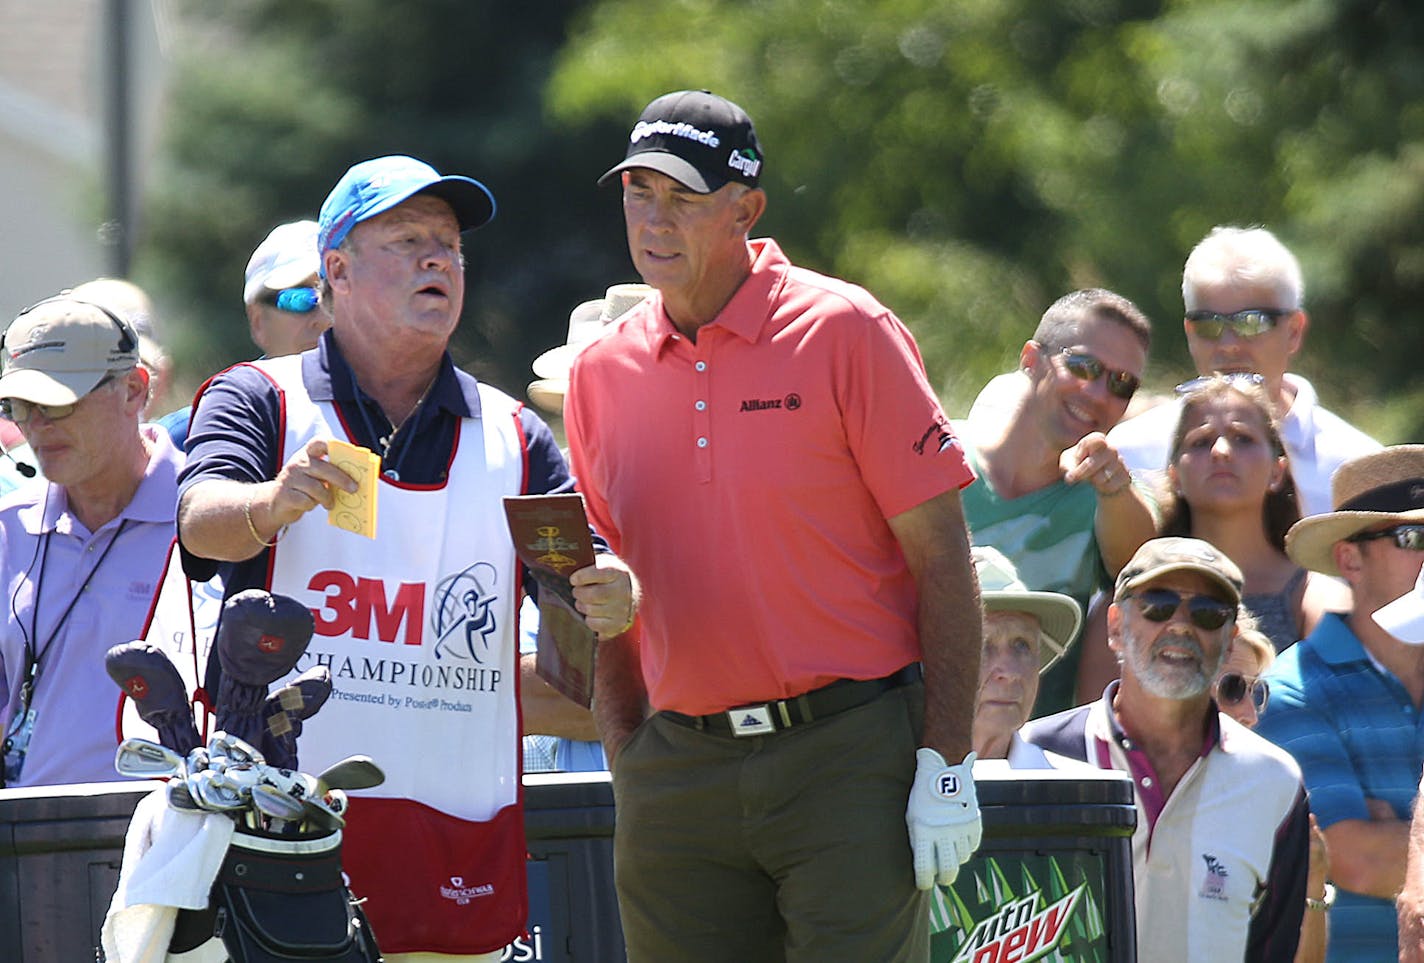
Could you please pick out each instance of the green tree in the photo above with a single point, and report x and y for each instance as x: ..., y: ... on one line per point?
x: 970, y: 161
x: 274, y: 99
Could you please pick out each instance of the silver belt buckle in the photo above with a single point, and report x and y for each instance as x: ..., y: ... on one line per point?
x: 751, y: 720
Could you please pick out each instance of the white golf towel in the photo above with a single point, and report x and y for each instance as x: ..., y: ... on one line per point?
x: 170, y: 861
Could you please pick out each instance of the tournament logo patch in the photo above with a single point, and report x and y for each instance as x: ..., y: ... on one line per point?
x: 1214, y: 886
x: 464, y: 618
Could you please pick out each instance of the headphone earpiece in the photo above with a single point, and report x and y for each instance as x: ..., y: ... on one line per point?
x: 128, y: 339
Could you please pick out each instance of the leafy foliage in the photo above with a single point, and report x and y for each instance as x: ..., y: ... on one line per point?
x: 274, y: 100
x: 967, y: 160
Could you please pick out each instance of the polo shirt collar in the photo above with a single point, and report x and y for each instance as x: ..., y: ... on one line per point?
x: 1335, y: 643
x: 1211, y: 738
x: 1298, y: 425
x: 327, y: 376
x: 749, y: 309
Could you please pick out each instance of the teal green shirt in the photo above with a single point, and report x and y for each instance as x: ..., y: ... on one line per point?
x: 1049, y: 536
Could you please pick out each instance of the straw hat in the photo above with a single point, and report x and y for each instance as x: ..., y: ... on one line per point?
x: 1002, y: 591
x: 587, y: 323
x: 1374, y: 489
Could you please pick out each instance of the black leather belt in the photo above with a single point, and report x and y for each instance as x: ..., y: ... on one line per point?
x: 763, y: 718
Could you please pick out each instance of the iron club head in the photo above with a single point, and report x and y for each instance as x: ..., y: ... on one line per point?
x: 142, y: 759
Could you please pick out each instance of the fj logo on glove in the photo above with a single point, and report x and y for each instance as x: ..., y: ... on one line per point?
x: 948, y: 784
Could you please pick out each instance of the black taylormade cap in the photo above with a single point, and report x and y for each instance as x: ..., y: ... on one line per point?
x: 700, y: 140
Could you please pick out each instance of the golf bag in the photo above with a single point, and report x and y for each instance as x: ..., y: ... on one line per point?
x: 278, y: 899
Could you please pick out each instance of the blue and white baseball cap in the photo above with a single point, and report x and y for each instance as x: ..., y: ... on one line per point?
x: 377, y: 185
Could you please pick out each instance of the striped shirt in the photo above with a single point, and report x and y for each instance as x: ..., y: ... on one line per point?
x: 1357, y: 735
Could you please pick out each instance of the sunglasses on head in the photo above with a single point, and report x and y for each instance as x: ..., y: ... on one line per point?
x: 1232, y: 687
x: 296, y: 300
x: 1160, y: 604
x: 1247, y: 323
x: 1085, y: 367
x: 1237, y: 379
x: 20, y: 411
x: 1408, y: 537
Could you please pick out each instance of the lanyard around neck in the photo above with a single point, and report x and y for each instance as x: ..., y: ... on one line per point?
x: 34, y: 652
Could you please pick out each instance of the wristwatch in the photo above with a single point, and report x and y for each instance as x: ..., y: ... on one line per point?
x: 1324, y: 903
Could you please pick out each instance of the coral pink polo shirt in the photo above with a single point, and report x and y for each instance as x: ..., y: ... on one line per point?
x: 747, y: 478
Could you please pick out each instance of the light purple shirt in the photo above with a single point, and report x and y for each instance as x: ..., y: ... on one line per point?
x: 40, y: 541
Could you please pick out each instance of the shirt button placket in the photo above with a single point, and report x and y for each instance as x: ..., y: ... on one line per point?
x: 702, y: 422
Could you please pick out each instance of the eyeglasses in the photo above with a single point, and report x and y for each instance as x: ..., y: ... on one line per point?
x: 1407, y: 537
x: 1247, y: 324
x: 1159, y: 605
x: 296, y: 300
x: 1085, y: 367
x: 1234, y: 378
x: 20, y: 411
x: 1232, y: 687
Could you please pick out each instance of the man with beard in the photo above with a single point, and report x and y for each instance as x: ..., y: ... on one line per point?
x: 1220, y: 852
x: 1052, y: 495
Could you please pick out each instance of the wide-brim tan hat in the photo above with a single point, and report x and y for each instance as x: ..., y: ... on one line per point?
x: 1369, y: 491
x: 1001, y: 590
x: 588, y: 322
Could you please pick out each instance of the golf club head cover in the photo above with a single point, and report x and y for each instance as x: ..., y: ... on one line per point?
x: 151, y: 680
x: 286, y: 709
x: 260, y: 639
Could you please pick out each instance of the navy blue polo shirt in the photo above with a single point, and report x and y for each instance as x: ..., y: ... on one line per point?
x: 236, y: 435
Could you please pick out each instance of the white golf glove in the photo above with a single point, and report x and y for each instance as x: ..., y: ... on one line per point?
x: 943, y: 816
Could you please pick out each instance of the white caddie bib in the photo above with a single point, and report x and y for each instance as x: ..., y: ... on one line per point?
x: 417, y: 626
x: 418, y: 630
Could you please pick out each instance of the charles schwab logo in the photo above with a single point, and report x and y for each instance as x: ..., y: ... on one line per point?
x: 645, y: 128
x: 464, y: 618
x: 937, y: 433
x: 462, y: 894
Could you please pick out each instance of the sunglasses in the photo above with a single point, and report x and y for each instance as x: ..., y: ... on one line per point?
x: 1236, y: 379
x: 296, y: 300
x: 1247, y: 324
x: 1407, y: 537
x: 1159, y: 605
x: 1232, y: 687
x: 20, y: 411
x: 1085, y: 367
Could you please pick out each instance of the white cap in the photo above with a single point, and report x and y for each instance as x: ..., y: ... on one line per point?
x: 1404, y: 617
x: 284, y: 260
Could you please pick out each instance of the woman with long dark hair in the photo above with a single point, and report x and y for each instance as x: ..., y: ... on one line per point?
x: 1230, y: 484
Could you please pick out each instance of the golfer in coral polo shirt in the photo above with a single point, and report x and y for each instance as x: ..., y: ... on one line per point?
x: 762, y: 445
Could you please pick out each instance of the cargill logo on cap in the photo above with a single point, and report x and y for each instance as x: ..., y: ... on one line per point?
x: 746, y: 161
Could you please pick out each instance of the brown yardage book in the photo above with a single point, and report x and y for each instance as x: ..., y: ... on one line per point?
x: 552, y: 538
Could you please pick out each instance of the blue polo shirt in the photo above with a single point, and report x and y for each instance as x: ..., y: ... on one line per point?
x: 237, y: 429
x: 1353, y: 729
